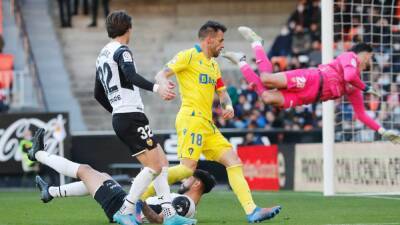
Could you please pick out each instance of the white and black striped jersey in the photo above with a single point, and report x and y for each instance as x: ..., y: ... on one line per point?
x: 117, y: 83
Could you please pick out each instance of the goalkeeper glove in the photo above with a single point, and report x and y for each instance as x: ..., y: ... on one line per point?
x: 370, y: 90
x: 390, y: 135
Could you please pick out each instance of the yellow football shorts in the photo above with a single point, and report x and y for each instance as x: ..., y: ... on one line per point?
x: 197, y: 135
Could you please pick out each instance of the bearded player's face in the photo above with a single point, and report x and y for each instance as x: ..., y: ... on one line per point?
x: 366, y: 60
x: 186, y: 185
x: 216, y: 43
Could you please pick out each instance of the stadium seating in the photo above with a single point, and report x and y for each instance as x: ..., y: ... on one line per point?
x: 161, y: 29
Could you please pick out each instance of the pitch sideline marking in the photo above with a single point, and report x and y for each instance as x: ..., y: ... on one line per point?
x: 364, y: 224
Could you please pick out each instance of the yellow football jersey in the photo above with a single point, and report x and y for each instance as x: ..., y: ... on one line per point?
x: 198, y: 78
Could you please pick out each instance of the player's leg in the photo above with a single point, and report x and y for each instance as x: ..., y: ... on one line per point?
x: 217, y: 148
x: 175, y: 174
x: 162, y: 189
x: 240, y: 187
x: 188, y: 128
x: 269, y: 79
x: 134, y: 131
x: 249, y: 75
x: 262, y: 83
x: 58, y: 163
x: 91, y: 179
x: 273, y: 97
x: 263, y: 63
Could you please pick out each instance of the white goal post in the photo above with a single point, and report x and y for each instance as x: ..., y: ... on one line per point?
x: 328, y: 108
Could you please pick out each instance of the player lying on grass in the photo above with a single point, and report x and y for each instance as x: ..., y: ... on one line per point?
x: 342, y: 76
x: 109, y: 194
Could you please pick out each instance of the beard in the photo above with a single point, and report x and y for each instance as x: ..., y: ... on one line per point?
x: 183, y: 189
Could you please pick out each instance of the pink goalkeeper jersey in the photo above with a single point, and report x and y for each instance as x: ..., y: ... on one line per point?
x: 342, y: 77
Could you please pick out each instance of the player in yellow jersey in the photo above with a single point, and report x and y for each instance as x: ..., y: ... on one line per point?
x: 199, y: 77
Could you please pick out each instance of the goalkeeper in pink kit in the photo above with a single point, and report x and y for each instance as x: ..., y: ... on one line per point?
x: 305, y: 86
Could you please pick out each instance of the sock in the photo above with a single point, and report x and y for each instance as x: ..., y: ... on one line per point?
x: 71, y: 189
x: 175, y: 174
x: 139, y: 185
x: 58, y: 163
x: 263, y: 63
x: 163, y: 193
x: 251, y: 77
x: 241, y: 188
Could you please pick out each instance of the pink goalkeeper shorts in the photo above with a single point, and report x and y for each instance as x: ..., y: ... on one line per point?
x: 302, y: 87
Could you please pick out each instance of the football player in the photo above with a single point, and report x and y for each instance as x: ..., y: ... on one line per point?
x: 199, y: 78
x: 110, y: 195
x: 117, y: 90
x: 340, y: 77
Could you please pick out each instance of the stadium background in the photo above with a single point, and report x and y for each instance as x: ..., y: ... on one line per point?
x: 53, y: 73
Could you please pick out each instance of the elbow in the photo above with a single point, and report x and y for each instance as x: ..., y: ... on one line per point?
x: 159, y: 220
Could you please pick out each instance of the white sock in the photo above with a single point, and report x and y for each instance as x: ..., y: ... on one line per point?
x: 58, y: 163
x: 242, y: 63
x: 163, y: 193
x: 139, y: 186
x: 71, y: 189
x: 256, y: 43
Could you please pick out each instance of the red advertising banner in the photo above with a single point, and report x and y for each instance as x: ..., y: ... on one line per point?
x: 260, y: 166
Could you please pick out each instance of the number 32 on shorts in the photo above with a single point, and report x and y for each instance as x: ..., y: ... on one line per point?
x: 145, y: 132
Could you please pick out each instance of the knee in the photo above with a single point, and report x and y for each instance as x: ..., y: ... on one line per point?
x: 271, y: 99
x: 267, y: 98
x: 84, y: 169
x: 267, y: 80
x: 230, y: 159
x: 106, y: 175
x: 190, y: 164
x: 156, y: 169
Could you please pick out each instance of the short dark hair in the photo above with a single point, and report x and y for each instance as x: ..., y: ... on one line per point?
x: 206, y: 178
x: 210, y: 27
x: 361, y: 47
x: 118, y: 23
x: 1, y: 43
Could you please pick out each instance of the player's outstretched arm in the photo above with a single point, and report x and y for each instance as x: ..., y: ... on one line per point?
x: 100, y: 95
x: 356, y: 100
x: 226, y: 104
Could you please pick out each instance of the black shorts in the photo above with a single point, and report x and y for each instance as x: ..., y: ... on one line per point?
x: 133, y: 129
x: 111, y: 197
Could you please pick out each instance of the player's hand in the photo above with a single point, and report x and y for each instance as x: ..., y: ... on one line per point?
x: 391, y: 135
x: 171, y: 85
x: 370, y: 90
x: 166, y: 91
x: 228, y: 112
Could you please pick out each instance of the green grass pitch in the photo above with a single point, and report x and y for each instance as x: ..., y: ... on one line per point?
x: 219, y: 207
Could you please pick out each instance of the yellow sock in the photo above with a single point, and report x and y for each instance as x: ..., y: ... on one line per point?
x: 241, y: 188
x: 175, y: 174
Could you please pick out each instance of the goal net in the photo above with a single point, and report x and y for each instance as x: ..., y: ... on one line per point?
x: 375, y: 22
x: 360, y: 160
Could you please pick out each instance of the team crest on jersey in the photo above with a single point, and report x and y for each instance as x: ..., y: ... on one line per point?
x: 149, y: 142
x: 127, y: 57
x: 353, y: 62
x: 190, y: 150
